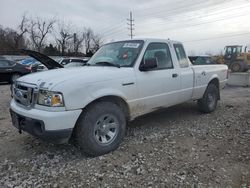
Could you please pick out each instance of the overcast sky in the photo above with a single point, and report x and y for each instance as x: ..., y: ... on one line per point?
x: 202, y: 25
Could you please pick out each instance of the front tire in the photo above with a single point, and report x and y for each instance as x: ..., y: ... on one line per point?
x: 208, y: 102
x: 100, y: 129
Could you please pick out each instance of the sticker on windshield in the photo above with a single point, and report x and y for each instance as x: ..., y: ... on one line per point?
x: 131, y: 45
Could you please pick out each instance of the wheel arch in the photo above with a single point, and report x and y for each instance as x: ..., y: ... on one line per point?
x: 107, y: 98
x: 215, y: 81
x: 114, y: 99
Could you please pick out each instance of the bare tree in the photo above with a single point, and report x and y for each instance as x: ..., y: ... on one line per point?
x: 22, y: 29
x: 77, y: 41
x: 63, y: 37
x: 11, y: 40
x: 38, y: 31
x: 97, y: 42
x: 7, y: 42
x: 88, y: 35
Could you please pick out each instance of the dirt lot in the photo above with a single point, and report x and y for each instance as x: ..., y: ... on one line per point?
x: 175, y: 146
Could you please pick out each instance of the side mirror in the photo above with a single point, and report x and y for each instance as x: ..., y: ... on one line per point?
x: 148, y: 64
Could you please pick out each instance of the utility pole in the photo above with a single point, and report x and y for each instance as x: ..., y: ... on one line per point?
x: 131, y: 25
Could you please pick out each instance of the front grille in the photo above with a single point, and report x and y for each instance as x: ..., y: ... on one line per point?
x: 24, y: 94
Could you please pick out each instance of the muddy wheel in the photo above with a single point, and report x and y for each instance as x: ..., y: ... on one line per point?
x: 208, y: 102
x: 100, y: 129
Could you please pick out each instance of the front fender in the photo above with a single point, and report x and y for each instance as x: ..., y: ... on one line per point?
x: 79, y: 98
x: 98, y: 93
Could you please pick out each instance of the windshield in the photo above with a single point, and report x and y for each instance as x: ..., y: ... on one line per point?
x: 121, y: 54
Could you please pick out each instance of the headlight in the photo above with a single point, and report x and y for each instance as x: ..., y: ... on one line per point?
x: 50, y: 98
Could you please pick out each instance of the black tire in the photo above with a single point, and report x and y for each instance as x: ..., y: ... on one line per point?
x: 208, y: 102
x: 91, y: 126
x: 237, y: 67
x: 14, y: 77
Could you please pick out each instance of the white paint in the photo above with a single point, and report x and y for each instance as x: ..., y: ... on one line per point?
x: 150, y: 90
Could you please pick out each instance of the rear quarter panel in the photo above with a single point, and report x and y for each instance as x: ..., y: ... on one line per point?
x: 203, y: 74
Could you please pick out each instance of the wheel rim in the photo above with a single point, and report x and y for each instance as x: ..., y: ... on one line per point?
x: 211, y: 100
x: 236, y: 67
x: 106, y: 129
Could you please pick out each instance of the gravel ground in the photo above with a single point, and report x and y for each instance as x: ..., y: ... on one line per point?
x: 178, y: 146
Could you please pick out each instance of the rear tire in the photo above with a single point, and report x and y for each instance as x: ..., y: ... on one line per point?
x: 208, y: 102
x: 100, y: 129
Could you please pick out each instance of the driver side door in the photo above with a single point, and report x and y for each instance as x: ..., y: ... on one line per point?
x: 158, y: 87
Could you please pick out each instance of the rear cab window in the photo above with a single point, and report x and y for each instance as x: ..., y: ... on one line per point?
x: 181, y: 55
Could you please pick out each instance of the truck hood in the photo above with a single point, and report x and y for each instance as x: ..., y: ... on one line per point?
x: 75, y: 76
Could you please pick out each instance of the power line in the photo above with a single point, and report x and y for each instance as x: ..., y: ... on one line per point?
x: 108, y: 28
x: 198, y: 16
x: 194, y: 25
x: 184, y: 8
x: 218, y: 37
x: 116, y: 28
x: 112, y: 29
x: 131, y: 25
x: 114, y: 33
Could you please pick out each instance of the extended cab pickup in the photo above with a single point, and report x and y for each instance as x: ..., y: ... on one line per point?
x: 123, y: 80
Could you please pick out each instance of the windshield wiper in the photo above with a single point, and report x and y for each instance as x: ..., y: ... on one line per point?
x: 108, y: 64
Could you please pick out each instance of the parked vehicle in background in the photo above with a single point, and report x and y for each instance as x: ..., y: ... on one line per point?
x: 65, y: 61
x: 28, y: 61
x: 201, y: 60
x: 71, y: 63
x: 237, y: 57
x: 33, y: 63
x: 10, y: 70
x: 41, y: 67
x: 76, y: 63
x: 123, y: 80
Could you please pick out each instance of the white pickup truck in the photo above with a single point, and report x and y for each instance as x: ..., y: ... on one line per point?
x: 123, y: 80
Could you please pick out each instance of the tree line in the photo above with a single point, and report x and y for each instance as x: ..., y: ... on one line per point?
x: 49, y: 36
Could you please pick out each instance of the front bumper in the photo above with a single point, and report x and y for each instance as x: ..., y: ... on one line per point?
x: 52, y: 126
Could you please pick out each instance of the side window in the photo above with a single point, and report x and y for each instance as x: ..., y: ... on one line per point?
x: 181, y: 55
x: 229, y: 50
x: 161, y: 52
x: 4, y: 63
x: 11, y: 63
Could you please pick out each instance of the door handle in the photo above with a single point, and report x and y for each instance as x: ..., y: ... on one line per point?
x: 174, y: 75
